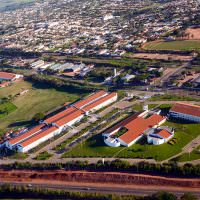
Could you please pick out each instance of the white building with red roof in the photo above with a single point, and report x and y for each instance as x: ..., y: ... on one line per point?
x: 133, y: 128
x: 160, y: 136
x: 185, y: 111
x: 5, y: 76
x: 59, y: 122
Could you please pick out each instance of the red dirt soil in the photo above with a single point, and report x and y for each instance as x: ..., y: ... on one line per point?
x: 97, y: 178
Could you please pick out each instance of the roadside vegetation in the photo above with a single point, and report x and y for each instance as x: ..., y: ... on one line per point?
x: 166, y: 169
x: 21, y: 192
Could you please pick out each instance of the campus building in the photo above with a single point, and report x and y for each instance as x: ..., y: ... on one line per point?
x: 5, y: 76
x: 160, y: 136
x: 185, y: 111
x: 133, y: 128
x: 59, y: 122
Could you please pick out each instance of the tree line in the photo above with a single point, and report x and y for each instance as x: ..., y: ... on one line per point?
x: 167, y: 169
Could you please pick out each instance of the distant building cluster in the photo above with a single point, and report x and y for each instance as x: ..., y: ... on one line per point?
x: 7, y: 78
x: 66, y: 69
x: 100, y: 27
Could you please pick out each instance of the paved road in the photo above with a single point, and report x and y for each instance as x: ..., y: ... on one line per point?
x: 102, y: 188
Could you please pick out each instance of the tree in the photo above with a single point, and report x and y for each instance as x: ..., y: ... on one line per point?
x: 189, y: 196
x: 163, y: 196
x: 38, y: 116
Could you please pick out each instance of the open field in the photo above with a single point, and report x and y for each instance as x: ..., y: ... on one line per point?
x: 158, y: 56
x: 181, y: 45
x: 37, y: 99
x: 95, y: 147
x: 170, y: 97
x: 6, y: 108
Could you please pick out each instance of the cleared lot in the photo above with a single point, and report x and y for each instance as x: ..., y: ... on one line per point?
x: 158, y: 56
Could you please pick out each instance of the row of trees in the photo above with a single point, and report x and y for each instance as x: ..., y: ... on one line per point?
x: 50, y: 81
x: 8, y: 191
x: 171, y: 169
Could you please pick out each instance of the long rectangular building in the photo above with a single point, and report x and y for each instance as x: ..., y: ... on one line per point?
x: 59, y: 122
x: 186, y: 112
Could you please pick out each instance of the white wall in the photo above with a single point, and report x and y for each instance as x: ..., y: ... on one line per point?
x: 112, y: 143
x: 185, y: 116
x: 105, y: 103
x: 36, y: 143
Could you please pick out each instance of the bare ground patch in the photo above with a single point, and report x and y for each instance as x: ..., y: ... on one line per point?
x: 158, y: 56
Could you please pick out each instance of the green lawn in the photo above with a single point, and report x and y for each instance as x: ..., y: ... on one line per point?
x: 43, y: 156
x: 185, y: 45
x: 6, y: 108
x: 194, y: 155
x: 170, y: 97
x: 95, y: 147
x: 37, y: 99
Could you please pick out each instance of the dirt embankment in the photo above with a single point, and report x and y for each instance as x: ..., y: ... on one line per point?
x: 97, y: 177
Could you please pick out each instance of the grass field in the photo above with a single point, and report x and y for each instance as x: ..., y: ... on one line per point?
x: 170, y: 97
x: 95, y: 147
x: 185, y: 45
x: 37, y: 99
x: 6, y: 108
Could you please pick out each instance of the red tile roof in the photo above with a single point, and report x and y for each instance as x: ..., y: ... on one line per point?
x: 69, y: 118
x: 99, y: 101
x: 25, y: 135
x: 136, y: 126
x: 89, y: 99
x: 60, y: 115
x: 188, y: 109
x: 164, y: 134
x: 38, y: 136
x: 6, y: 75
x: 123, y: 122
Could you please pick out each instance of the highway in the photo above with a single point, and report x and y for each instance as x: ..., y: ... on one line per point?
x: 135, y: 190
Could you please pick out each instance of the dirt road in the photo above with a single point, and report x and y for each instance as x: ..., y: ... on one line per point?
x: 110, y: 182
